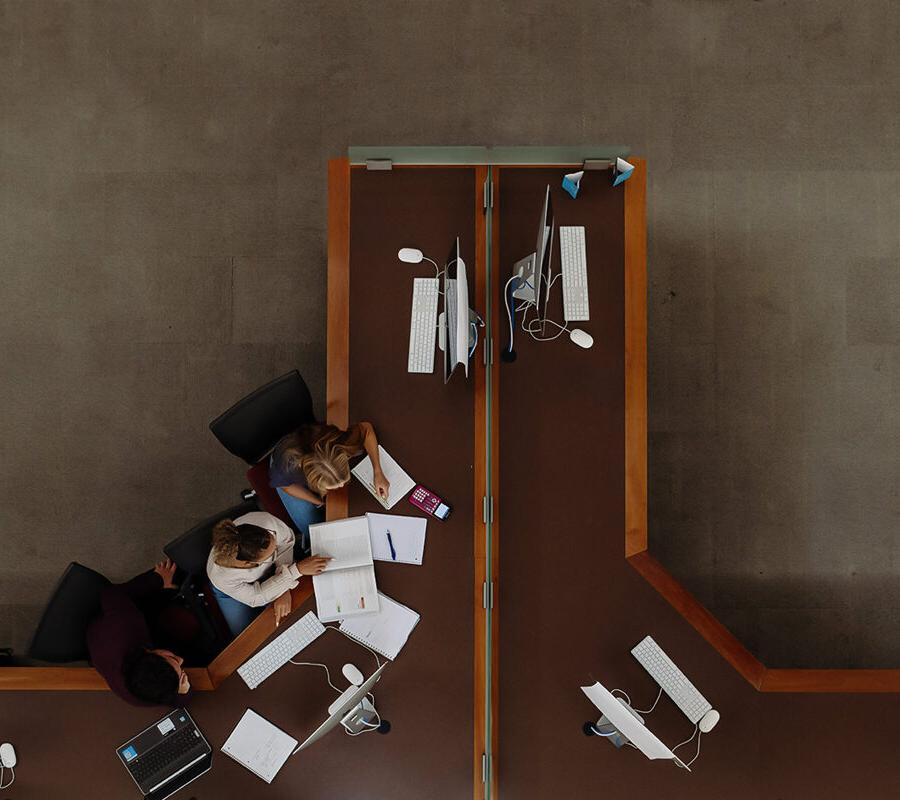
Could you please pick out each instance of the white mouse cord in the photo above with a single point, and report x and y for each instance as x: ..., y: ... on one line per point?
x: 356, y: 641
x: 314, y: 664
x: 690, y: 738
x: 697, y: 754
x: 11, y: 780
x: 651, y: 707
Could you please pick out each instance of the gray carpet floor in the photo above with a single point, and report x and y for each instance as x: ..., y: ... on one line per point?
x: 162, y: 245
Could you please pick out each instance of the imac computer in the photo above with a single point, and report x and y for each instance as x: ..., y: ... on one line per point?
x: 344, y: 706
x: 454, y: 324
x: 533, y: 271
x: 621, y: 721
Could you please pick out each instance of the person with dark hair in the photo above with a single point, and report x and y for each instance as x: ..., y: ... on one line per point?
x: 251, y: 564
x: 121, y: 646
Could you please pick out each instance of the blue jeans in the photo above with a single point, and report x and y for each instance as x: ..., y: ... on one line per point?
x: 303, y: 513
x: 237, y: 614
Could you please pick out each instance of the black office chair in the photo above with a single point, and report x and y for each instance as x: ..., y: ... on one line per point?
x: 253, y: 425
x: 60, y: 635
x: 190, y: 552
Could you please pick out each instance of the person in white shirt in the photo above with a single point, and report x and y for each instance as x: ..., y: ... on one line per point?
x: 251, y: 564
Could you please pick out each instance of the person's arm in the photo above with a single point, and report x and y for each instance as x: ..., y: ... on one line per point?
x: 302, y: 493
x: 261, y: 593
x: 131, y: 591
x: 370, y: 445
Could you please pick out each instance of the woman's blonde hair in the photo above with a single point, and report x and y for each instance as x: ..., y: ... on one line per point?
x: 327, y: 465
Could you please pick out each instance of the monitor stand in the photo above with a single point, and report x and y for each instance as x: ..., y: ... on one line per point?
x: 524, y: 269
x: 605, y: 729
x: 474, y: 317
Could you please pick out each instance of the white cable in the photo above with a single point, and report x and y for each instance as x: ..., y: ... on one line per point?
x: 356, y: 641
x: 697, y: 754
x: 651, y: 707
x: 681, y: 744
x: 622, y: 692
x: 509, y: 315
x: 11, y: 781
x: 314, y: 664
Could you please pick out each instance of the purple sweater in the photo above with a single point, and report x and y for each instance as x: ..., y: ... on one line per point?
x: 120, y: 629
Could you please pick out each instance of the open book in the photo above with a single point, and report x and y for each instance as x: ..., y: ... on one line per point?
x: 347, y: 586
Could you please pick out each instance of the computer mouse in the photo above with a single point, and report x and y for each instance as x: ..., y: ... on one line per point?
x: 7, y: 755
x: 353, y: 675
x: 708, y: 720
x: 581, y: 338
x: 410, y: 255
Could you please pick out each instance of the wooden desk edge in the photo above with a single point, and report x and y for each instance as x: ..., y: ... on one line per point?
x: 635, y: 257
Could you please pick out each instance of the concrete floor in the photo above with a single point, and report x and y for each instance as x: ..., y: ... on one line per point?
x: 162, y: 245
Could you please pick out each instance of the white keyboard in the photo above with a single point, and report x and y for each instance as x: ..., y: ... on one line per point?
x: 574, y: 273
x: 423, y: 325
x: 281, y: 650
x: 673, y: 681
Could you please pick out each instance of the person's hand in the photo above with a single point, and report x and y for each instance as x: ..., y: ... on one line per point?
x: 282, y: 606
x: 382, y: 485
x: 313, y: 565
x: 184, y: 684
x: 166, y: 570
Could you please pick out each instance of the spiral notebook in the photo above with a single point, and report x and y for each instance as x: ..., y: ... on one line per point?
x: 385, y: 632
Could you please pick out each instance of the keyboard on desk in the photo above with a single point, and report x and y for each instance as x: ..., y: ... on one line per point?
x: 574, y: 273
x: 177, y: 745
x: 423, y: 325
x: 281, y: 650
x: 672, y: 680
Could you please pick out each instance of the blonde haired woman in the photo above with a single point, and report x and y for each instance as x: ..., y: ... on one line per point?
x: 314, y: 460
x: 251, y: 564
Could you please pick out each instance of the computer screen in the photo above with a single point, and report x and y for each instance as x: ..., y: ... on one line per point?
x: 349, y: 703
x: 542, y: 254
x: 456, y: 313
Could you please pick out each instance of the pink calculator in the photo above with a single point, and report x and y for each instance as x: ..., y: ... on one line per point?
x: 429, y: 502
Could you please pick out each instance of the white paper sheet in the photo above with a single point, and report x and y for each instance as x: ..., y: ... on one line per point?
x: 401, y: 483
x: 385, y: 632
x: 407, y: 536
x: 259, y: 746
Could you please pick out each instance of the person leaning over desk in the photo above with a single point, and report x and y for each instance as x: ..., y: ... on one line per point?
x: 135, y: 616
x: 314, y: 460
x: 251, y: 564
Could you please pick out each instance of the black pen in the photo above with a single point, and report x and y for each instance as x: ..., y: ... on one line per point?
x: 391, y: 545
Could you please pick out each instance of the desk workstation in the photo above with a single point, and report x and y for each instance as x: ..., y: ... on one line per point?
x: 524, y: 593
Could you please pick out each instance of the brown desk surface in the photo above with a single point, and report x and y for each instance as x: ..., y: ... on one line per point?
x: 571, y: 608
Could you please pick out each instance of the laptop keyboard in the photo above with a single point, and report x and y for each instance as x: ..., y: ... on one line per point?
x: 163, y: 755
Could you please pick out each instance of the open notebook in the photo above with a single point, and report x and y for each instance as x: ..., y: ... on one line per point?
x: 401, y: 483
x: 347, y: 586
x: 385, y: 632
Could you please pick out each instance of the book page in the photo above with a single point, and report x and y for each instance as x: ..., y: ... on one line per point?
x: 345, y: 593
x: 401, y: 483
x: 345, y: 541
